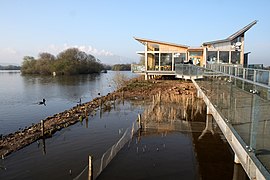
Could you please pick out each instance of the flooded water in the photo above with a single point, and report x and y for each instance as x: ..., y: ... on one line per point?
x: 19, y: 95
x: 178, y: 140
x: 65, y: 155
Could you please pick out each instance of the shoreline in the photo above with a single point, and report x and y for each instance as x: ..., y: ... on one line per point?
x: 136, y: 89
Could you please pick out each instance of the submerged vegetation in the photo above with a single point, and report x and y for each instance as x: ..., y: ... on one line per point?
x: 69, y: 62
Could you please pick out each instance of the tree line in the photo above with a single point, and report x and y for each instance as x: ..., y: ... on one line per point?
x: 68, y: 62
x: 10, y: 67
x: 121, y: 67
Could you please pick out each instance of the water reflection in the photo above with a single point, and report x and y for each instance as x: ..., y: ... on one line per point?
x: 69, y: 148
x: 20, y: 95
x: 170, y: 113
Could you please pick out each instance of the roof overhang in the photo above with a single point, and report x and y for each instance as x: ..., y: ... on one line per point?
x: 144, y: 41
x: 241, y: 32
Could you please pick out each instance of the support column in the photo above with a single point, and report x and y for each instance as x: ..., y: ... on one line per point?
x: 208, y: 111
x: 145, y: 76
x: 199, y: 94
x: 159, y: 61
x: 236, y: 159
x: 218, y: 56
x: 146, y: 60
x: 230, y: 57
x: 203, y: 63
x: 242, y: 50
x: 172, y: 61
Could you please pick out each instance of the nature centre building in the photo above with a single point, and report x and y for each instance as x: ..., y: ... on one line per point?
x: 161, y: 58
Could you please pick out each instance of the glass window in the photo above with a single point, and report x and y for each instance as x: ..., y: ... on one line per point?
x: 179, y: 58
x: 195, y: 53
x: 235, y: 57
x: 224, y: 56
x: 156, y: 59
x: 166, y: 61
x: 211, y: 57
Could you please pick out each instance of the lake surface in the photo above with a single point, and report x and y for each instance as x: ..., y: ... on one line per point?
x: 19, y: 95
x: 173, y: 145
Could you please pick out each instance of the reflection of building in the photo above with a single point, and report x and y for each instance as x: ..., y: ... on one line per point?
x: 162, y: 57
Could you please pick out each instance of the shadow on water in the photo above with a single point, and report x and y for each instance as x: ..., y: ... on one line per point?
x: 178, y: 140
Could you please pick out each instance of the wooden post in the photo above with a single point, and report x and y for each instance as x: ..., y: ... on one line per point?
x: 90, y: 169
x: 101, y: 103
x: 123, y: 97
x: 114, y: 101
x: 42, y: 128
x: 139, y: 121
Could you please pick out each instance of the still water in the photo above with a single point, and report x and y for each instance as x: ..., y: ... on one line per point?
x: 19, y: 95
x: 173, y: 144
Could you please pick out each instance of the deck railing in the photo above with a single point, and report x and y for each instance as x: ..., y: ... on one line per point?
x: 244, y: 106
x: 188, y: 70
x: 256, y: 75
x: 137, y: 68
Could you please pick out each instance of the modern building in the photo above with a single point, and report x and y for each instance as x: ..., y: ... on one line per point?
x: 161, y: 58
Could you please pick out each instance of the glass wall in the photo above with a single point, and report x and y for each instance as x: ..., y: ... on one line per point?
x: 195, y: 53
x: 235, y: 57
x: 156, y: 56
x: 211, y: 57
x: 179, y: 58
x: 166, y: 61
x: 224, y: 56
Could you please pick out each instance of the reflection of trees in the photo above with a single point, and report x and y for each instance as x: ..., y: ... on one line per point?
x: 64, y: 87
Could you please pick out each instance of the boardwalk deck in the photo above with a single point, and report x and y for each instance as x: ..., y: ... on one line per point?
x: 244, y: 117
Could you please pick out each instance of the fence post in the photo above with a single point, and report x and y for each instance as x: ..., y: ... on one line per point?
x: 42, y: 128
x: 90, y: 169
x: 139, y: 121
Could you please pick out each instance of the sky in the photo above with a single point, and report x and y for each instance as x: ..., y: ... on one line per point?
x: 105, y: 28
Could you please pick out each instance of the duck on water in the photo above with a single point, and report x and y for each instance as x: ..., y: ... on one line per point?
x: 42, y: 102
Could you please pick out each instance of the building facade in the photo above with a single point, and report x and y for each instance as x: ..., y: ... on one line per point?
x: 161, y: 58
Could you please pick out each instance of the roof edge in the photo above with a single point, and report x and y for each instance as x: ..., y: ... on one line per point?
x: 234, y: 35
x: 143, y: 40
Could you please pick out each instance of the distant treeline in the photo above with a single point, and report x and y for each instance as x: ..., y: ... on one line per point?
x: 10, y: 67
x: 121, y: 67
x: 68, y: 62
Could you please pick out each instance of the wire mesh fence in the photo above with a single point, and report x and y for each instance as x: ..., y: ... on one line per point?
x: 93, y: 170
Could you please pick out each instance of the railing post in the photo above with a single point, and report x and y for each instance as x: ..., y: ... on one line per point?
x: 254, y: 122
x: 42, y: 128
x: 244, y: 73
x: 254, y: 75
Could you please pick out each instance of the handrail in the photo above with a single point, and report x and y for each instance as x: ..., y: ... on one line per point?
x: 259, y: 76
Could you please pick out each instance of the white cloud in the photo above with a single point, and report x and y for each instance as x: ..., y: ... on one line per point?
x: 14, y: 56
x: 88, y: 49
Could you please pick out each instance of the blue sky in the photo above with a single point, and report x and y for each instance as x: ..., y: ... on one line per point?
x: 106, y: 28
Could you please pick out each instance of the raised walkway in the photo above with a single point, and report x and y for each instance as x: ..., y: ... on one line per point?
x: 239, y: 101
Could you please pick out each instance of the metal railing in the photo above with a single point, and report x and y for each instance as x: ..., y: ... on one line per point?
x: 256, y: 75
x: 244, y: 106
x: 137, y: 68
